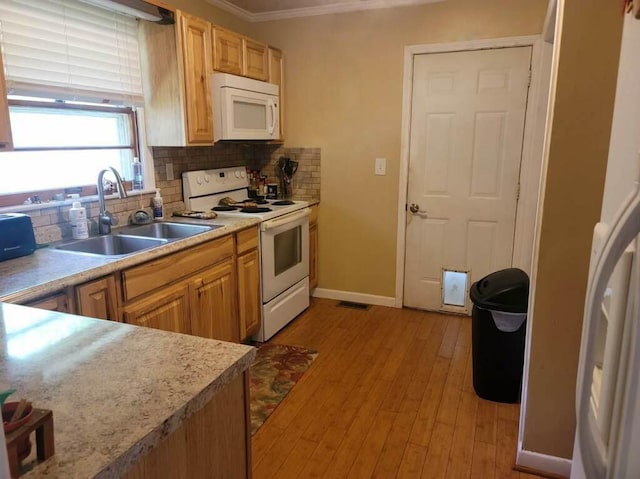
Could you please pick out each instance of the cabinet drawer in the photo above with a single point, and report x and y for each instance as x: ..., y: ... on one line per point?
x: 247, y: 239
x: 155, y: 274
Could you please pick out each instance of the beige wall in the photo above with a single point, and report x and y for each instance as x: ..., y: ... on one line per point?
x: 343, y: 78
x: 577, y: 155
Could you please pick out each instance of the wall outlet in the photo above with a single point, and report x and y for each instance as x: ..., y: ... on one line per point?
x: 381, y: 166
x: 169, y: 167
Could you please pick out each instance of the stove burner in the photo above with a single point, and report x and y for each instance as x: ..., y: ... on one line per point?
x: 257, y: 201
x: 256, y: 209
x: 282, y: 203
x: 224, y: 208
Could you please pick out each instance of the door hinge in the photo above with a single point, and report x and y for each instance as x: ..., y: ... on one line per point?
x: 518, y: 192
x: 529, y: 80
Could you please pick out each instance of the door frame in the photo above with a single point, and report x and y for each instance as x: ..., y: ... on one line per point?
x: 531, y: 160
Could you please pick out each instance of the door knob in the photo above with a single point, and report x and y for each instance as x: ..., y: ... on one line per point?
x: 414, y: 208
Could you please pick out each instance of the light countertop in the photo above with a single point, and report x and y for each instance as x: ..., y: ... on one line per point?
x: 116, y: 390
x: 49, y: 270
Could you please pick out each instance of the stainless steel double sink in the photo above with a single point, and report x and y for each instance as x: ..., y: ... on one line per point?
x: 133, y: 239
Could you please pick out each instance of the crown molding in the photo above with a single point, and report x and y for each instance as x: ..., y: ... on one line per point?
x: 343, y: 7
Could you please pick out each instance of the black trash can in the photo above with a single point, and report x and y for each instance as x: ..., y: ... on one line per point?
x: 498, y: 334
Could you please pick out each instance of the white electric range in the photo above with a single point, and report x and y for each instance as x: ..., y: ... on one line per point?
x: 284, y: 240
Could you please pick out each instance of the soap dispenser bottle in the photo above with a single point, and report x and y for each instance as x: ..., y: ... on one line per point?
x: 157, y: 206
x: 78, y: 220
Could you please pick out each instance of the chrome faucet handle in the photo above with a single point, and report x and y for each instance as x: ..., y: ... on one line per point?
x: 105, y: 221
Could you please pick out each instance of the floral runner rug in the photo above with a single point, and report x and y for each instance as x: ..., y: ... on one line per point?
x: 276, y: 369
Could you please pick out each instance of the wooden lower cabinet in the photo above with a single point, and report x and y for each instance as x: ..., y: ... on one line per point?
x: 168, y: 309
x: 214, y: 442
x: 313, y: 248
x: 98, y: 299
x: 249, y: 301
x: 214, y: 307
x: 56, y: 302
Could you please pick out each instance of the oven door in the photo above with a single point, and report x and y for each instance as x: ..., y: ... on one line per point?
x: 285, y: 252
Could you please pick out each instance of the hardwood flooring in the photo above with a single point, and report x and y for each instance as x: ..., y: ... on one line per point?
x: 390, y: 395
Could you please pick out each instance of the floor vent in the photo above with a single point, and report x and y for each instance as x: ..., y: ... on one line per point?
x: 353, y: 305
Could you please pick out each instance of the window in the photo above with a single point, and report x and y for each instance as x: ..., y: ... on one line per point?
x: 74, y: 84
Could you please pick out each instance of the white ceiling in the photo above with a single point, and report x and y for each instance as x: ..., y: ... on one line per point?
x: 265, y: 10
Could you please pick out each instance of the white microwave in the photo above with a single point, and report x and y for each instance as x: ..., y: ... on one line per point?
x: 244, y: 109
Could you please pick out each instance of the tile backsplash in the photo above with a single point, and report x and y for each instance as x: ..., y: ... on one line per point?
x: 51, y: 221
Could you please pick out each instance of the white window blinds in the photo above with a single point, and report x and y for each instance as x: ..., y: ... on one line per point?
x: 69, y: 50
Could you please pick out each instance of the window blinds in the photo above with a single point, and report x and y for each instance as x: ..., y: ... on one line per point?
x: 69, y: 50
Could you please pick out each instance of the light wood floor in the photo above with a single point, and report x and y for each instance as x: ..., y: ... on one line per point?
x: 390, y: 395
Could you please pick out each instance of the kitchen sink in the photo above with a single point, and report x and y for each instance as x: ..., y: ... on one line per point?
x: 167, y: 230
x: 112, y: 245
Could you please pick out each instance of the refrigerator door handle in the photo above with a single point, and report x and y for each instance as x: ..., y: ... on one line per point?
x: 625, y: 228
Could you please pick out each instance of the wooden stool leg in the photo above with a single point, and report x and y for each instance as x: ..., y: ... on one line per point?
x: 12, y: 452
x: 44, y: 440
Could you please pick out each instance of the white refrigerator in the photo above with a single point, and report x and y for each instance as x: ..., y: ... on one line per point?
x: 607, y: 443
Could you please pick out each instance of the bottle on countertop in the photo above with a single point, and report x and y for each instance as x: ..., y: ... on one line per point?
x: 157, y: 206
x: 78, y: 220
x: 138, y: 179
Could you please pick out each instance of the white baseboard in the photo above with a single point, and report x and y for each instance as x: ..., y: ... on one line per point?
x: 541, y: 462
x: 355, y: 297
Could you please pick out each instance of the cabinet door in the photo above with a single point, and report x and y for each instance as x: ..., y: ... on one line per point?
x: 196, y: 53
x: 313, y: 256
x: 255, y: 60
x: 98, y: 299
x: 214, y: 313
x: 227, y: 52
x: 56, y: 302
x: 276, y: 76
x: 168, y: 309
x: 249, y: 304
x: 313, y: 247
x: 6, y: 143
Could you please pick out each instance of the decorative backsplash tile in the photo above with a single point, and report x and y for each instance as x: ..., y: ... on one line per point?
x: 51, y: 220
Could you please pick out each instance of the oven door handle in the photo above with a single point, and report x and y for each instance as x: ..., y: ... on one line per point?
x: 286, y: 219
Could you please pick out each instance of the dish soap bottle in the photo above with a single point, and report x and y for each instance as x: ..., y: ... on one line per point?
x: 78, y: 220
x: 138, y: 181
x: 156, y: 205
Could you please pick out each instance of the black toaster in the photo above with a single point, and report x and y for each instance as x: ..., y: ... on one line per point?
x: 16, y: 236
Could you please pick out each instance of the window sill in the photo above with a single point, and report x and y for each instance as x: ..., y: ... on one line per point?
x: 68, y: 202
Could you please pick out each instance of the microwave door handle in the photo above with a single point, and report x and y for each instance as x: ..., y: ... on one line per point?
x: 272, y: 110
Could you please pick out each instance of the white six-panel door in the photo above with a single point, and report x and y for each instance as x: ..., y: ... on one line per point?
x: 467, y: 123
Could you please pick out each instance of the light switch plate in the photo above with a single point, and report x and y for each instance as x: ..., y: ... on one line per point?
x: 169, y: 167
x: 381, y: 166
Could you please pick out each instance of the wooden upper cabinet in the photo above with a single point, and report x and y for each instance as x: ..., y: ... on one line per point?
x: 239, y: 55
x: 255, y: 60
x: 176, y: 63
x: 6, y: 142
x: 196, y: 46
x: 276, y: 76
x: 228, y: 54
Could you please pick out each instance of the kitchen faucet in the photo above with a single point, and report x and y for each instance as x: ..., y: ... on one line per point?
x: 106, y: 219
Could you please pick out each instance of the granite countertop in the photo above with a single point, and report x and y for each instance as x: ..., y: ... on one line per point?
x: 49, y: 270
x: 116, y: 390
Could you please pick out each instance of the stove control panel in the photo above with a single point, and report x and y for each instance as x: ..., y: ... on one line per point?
x: 208, y: 182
